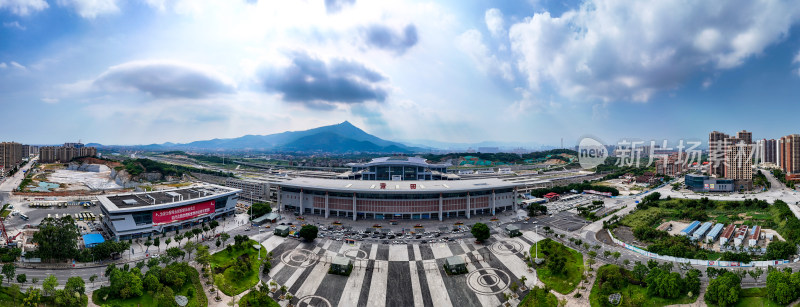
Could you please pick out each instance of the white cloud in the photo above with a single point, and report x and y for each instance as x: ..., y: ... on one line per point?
x: 164, y: 79
x: 630, y: 50
x: 494, y: 22
x: 14, y: 24
x: 49, y: 100
x: 3, y: 65
x: 23, y: 7
x: 17, y: 65
x: 90, y: 9
x: 796, y: 61
x: 471, y: 43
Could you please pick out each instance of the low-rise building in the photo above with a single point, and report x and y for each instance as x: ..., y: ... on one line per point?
x: 740, y: 235
x: 727, y: 233
x: 282, y: 230
x: 714, y: 232
x: 689, y: 230
x: 698, y: 234
x: 755, y: 234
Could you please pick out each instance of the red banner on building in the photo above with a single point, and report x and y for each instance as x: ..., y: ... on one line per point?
x: 182, y: 213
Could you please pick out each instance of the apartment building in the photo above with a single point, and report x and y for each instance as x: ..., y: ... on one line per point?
x: 789, y: 149
x: 51, y: 154
x: 10, y: 156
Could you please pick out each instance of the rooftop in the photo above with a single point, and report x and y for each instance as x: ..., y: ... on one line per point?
x: 398, y: 160
x: 153, y: 198
x: 388, y: 186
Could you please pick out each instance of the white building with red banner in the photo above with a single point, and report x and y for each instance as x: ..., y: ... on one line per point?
x: 143, y: 214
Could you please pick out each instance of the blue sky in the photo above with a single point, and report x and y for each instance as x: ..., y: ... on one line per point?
x: 140, y: 72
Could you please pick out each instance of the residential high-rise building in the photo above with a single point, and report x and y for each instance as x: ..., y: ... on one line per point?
x: 671, y: 165
x: 789, y: 149
x: 50, y: 154
x: 10, y: 156
x: 739, y: 163
x: 716, y: 153
x: 745, y: 136
x: 767, y: 151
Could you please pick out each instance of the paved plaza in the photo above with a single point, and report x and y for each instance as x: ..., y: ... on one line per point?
x: 401, y: 274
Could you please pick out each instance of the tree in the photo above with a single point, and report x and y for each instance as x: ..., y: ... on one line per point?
x: 9, y: 270
x: 308, y: 232
x: 148, y: 243
x: 592, y: 254
x: 168, y: 241
x: 34, y: 280
x: 49, y: 285
x: 32, y: 297
x: 203, y: 256
x: 75, y: 284
x: 214, y: 224
x: 692, y: 281
x: 22, y: 278
x: 625, y: 262
x: 780, y: 250
x: 14, y: 292
x: 259, y: 209
x: 556, y: 263
x: 522, y: 280
x: 224, y: 236
x: 152, y: 262
x: 616, y: 255
x: 606, y: 253
x: 157, y: 243
x: 780, y: 287
x: 151, y: 283
x: 174, y: 253
x: 755, y: 274
x: 165, y: 297
x: 196, y: 232
x: 57, y: 238
x: 218, y: 243
x: 724, y: 290
x: 189, y: 247
x: 640, y: 271
x: 481, y: 232
x: 92, y: 279
x: 140, y: 264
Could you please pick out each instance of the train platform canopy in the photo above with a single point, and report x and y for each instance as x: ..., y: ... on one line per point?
x: 92, y: 239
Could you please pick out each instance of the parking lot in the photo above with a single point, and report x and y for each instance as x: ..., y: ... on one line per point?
x: 562, y: 220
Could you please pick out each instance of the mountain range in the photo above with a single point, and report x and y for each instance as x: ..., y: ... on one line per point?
x: 339, y: 138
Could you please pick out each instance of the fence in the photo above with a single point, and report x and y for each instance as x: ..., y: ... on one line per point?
x: 697, y: 261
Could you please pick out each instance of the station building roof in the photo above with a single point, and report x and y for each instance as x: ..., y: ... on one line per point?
x: 397, y: 187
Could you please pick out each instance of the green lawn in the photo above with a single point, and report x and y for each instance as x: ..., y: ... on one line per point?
x: 566, y: 282
x: 223, y: 259
x: 754, y: 297
x: 633, y: 295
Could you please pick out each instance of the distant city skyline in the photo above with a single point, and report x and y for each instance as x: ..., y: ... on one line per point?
x: 518, y: 72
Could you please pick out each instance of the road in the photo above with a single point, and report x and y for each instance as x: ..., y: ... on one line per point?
x: 9, y: 184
